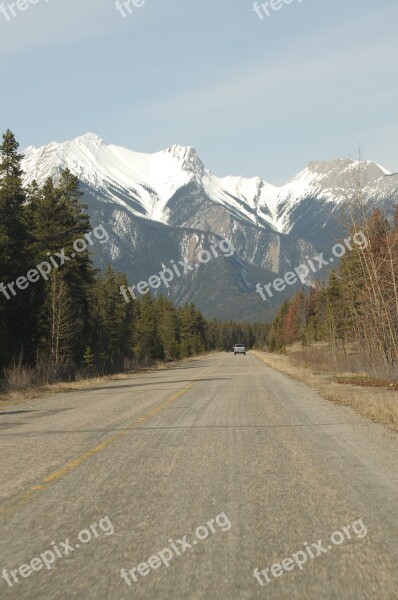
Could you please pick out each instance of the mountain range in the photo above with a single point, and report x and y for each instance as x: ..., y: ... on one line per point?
x: 168, y: 206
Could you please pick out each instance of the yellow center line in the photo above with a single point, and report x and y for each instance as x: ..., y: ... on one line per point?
x: 73, y: 464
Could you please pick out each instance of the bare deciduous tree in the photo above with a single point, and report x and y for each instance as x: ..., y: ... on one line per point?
x: 60, y: 319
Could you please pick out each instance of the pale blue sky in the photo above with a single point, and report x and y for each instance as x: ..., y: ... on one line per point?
x: 253, y: 97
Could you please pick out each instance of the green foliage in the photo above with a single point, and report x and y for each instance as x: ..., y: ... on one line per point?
x: 88, y: 358
x: 15, y: 324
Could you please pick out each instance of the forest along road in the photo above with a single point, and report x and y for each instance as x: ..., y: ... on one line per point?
x: 248, y: 464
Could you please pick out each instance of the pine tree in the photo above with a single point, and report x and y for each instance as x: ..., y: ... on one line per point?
x: 88, y: 362
x: 58, y: 219
x: 112, y: 325
x: 168, y: 327
x: 148, y: 344
x: 192, y: 330
x: 15, y: 320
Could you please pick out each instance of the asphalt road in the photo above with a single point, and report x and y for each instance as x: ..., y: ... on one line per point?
x: 250, y: 465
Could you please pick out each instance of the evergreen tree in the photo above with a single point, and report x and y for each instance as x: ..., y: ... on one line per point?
x: 148, y: 344
x: 15, y: 319
x: 112, y: 324
x: 58, y: 219
x: 168, y: 325
x: 192, y: 330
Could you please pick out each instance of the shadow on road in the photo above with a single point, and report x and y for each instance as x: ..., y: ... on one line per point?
x: 133, y: 385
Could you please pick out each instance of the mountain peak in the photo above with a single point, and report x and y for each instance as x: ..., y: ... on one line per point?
x: 188, y: 156
x: 325, y: 166
x: 180, y: 151
x: 337, y: 173
x: 89, y: 138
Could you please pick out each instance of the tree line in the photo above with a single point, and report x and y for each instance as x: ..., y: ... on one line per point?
x: 76, y: 321
x: 358, y: 304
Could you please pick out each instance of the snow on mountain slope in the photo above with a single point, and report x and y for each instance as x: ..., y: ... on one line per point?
x: 246, y: 196
x: 145, y: 183
x: 152, y: 179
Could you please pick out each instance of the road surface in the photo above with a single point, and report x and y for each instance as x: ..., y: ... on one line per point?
x: 222, y: 465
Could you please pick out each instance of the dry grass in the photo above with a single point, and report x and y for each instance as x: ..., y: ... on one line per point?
x: 379, y: 404
x: 18, y: 377
x: 368, y: 381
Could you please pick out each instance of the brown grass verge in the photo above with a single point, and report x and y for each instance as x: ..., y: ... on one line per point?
x: 380, y: 404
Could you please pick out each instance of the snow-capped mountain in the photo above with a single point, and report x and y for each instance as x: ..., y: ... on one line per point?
x: 167, y: 205
x: 149, y: 181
